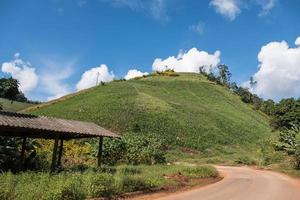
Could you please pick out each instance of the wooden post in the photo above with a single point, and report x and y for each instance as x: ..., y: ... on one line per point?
x: 53, y: 164
x: 60, y: 152
x: 100, y: 150
x: 23, y: 153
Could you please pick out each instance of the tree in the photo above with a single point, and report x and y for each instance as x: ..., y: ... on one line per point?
x: 9, y: 89
x: 234, y: 87
x: 252, y: 82
x: 268, y: 106
x: 244, y: 94
x: 202, y: 70
x: 224, y: 75
x: 256, y: 101
x: 286, y: 114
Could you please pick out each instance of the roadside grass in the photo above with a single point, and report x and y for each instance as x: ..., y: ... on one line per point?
x: 105, y: 182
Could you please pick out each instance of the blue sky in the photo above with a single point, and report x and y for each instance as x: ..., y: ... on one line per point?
x: 62, y: 39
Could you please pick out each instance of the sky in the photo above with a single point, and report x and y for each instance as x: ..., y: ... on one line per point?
x: 55, y: 47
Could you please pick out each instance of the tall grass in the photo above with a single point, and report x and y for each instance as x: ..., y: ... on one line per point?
x: 93, y: 183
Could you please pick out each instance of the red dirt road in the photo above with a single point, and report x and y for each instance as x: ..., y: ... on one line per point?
x: 242, y: 183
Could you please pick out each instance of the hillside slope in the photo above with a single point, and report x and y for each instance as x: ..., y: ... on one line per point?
x: 15, y: 106
x: 187, y: 111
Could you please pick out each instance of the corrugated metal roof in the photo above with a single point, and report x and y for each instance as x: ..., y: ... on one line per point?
x: 17, y: 122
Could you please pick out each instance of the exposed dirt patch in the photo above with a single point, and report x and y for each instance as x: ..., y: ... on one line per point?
x: 184, y: 184
x: 178, y: 177
x: 189, y: 150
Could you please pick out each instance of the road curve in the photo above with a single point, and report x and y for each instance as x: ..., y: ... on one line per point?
x: 242, y: 183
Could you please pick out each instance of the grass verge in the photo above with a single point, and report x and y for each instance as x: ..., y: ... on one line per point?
x: 107, y: 182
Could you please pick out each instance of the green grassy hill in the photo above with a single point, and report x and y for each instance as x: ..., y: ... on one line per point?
x: 15, y: 106
x: 187, y: 110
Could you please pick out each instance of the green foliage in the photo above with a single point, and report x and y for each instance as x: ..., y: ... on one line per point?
x: 92, y: 183
x: 10, y: 154
x: 268, y: 107
x: 289, y: 141
x: 286, y: 114
x: 72, y: 190
x: 101, y: 185
x: 135, y: 149
x: 167, y: 72
x: 115, y: 151
x: 9, y: 88
x: 224, y: 75
x: 183, y: 111
x: 132, y: 183
x: 200, y: 172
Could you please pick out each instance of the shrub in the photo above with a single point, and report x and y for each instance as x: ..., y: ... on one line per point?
x: 147, y: 149
x: 289, y: 142
x: 167, y: 72
x: 134, y: 148
x: 115, y: 151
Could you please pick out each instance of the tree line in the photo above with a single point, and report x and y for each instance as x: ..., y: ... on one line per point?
x: 284, y: 115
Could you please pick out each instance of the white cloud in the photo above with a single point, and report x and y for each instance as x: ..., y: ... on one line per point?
x: 133, y: 73
x: 266, y: 6
x: 156, y: 8
x: 53, y: 82
x: 189, y: 61
x: 23, y: 72
x: 297, y: 42
x: 227, y: 8
x: 89, y: 77
x: 198, y: 28
x: 279, y: 71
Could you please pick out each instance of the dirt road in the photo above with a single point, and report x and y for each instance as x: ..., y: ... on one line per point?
x: 242, y: 183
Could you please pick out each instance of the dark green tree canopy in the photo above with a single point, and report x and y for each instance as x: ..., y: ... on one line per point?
x: 9, y: 89
x: 286, y: 114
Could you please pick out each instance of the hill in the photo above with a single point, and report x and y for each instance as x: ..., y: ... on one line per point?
x: 15, y: 106
x: 187, y: 110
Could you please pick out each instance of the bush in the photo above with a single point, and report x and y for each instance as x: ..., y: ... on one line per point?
x: 135, y: 148
x: 167, y: 72
x: 115, y: 151
x: 289, y: 142
x: 146, y: 149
